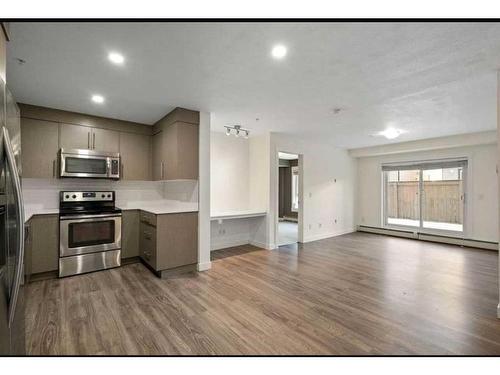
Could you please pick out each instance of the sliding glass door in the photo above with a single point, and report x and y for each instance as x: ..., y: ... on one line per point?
x: 428, y: 195
x: 402, y: 197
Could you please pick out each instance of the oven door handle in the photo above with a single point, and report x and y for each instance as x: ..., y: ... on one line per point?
x: 77, y: 217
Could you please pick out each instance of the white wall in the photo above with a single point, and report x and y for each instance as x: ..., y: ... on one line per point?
x: 328, y: 183
x: 482, y: 207
x: 239, y: 178
x: 45, y: 192
x: 229, y: 172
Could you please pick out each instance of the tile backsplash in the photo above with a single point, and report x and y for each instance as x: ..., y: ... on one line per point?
x: 45, y: 192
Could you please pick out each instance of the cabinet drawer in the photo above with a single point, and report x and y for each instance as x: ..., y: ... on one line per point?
x: 147, y: 244
x: 148, y: 218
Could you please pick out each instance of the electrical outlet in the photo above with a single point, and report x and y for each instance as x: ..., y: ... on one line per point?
x: 335, y: 221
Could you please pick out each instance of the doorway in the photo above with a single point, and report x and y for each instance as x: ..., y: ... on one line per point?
x: 289, y: 181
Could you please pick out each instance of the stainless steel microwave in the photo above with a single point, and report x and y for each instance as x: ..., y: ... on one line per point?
x: 89, y: 164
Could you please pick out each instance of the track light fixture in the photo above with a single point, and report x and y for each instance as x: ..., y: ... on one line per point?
x: 237, y: 130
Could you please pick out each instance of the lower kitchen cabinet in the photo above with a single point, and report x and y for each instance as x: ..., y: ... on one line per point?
x: 130, y: 233
x: 42, y: 252
x: 169, y: 241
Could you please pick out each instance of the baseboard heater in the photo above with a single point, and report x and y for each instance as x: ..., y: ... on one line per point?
x: 487, y: 245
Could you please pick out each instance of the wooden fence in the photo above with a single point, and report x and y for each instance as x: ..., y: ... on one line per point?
x: 441, y: 201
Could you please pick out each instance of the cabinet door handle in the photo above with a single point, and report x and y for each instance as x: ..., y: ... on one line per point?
x: 88, y: 140
x: 54, y: 168
x: 93, y: 141
x: 161, y: 171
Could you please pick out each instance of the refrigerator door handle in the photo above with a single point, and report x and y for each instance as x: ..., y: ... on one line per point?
x: 11, y: 161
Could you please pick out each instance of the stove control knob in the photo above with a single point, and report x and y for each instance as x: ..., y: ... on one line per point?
x: 103, y: 196
x: 67, y: 196
x: 73, y: 196
x: 109, y: 195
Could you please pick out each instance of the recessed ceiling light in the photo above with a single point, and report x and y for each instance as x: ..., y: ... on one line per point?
x: 391, y: 133
x: 279, y: 51
x: 116, y: 58
x: 98, y: 99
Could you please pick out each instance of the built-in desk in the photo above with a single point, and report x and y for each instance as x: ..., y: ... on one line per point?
x: 238, y: 227
x: 226, y: 215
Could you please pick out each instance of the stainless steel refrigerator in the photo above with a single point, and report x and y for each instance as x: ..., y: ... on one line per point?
x: 12, y: 326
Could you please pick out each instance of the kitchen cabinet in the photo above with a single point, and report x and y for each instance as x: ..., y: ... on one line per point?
x: 44, y: 244
x: 135, y: 153
x: 159, y: 155
x: 74, y: 136
x: 105, y: 140
x: 84, y: 137
x: 169, y: 241
x: 130, y: 234
x: 175, y: 152
x: 39, y: 144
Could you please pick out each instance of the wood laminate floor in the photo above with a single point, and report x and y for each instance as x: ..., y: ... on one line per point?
x: 354, y: 294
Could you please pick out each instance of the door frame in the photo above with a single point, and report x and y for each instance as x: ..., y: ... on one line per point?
x: 300, y: 213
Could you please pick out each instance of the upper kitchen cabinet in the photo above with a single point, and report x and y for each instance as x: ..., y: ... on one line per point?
x: 135, y: 152
x: 84, y: 137
x: 39, y: 142
x: 105, y: 140
x: 74, y: 136
x: 175, y: 146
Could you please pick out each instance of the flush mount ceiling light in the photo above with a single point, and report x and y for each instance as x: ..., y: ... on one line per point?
x: 237, y: 130
x: 116, y: 58
x: 98, y: 99
x: 279, y: 51
x: 391, y: 133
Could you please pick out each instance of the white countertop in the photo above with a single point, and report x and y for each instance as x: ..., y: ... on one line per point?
x: 239, y: 214
x: 160, y: 206
x: 155, y: 207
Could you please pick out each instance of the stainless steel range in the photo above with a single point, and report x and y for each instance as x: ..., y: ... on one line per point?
x: 90, y: 232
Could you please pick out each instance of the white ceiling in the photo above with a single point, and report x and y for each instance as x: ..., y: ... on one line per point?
x: 429, y: 79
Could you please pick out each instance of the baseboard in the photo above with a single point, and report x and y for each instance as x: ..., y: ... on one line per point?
x: 328, y: 235
x: 390, y: 232
x: 228, y: 243
x: 468, y: 242
x: 204, y: 266
x: 262, y: 245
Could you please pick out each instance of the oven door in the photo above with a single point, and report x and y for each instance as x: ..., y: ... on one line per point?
x: 79, y: 165
x: 89, y: 234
